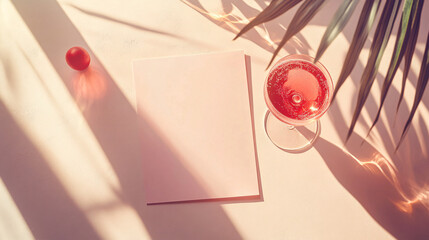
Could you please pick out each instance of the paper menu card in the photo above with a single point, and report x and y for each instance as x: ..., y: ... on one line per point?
x: 195, y: 127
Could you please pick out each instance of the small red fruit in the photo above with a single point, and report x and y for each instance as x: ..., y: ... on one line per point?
x: 78, y: 58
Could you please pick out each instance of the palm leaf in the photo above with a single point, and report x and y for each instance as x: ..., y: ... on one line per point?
x: 410, y: 49
x: 366, y: 20
x: 378, y: 46
x: 273, y: 10
x: 337, y: 24
x: 420, y: 88
x: 302, y: 16
x: 400, y: 45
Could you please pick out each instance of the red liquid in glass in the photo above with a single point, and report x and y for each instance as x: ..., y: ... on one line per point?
x: 298, y: 89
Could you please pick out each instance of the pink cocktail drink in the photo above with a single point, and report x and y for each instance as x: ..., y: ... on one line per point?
x: 298, y: 91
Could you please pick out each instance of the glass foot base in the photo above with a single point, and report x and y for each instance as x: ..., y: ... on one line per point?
x: 289, y: 138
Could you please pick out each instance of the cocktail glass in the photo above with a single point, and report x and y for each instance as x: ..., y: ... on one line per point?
x: 297, y: 91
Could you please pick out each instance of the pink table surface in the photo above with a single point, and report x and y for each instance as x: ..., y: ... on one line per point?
x: 70, y: 165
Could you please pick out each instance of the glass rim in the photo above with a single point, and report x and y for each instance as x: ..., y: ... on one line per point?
x: 325, y: 106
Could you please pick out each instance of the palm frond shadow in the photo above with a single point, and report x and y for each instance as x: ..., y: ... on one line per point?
x: 60, y: 110
x: 390, y: 190
x: 5, y: 65
x: 372, y: 181
x: 409, y: 164
x: 425, y: 140
x: 137, y: 26
x: 319, y: 20
x: 267, y: 36
x: 35, y: 188
x: 132, y: 25
x: 112, y: 120
x: 385, y: 135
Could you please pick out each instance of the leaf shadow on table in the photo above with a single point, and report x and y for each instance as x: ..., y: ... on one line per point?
x: 112, y: 120
x: 395, y: 197
x: 273, y: 31
x: 372, y: 181
x: 136, y: 26
x: 267, y: 36
x: 46, y: 206
x: 233, y: 15
x: 392, y: 188
x: 132, y: 25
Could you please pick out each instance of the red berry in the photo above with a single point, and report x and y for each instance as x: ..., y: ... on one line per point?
x: 78, y: 58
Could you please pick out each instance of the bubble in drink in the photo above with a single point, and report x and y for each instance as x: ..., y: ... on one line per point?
x: 298, y: 90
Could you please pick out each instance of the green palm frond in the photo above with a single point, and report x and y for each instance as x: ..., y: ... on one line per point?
x: 421, y: 86
x: 404, y: 33
x: 337, y: 24
x: 415, y: 26
x: 272, y: 11
x: 404, y: 46
x: 366, y: 20
x: 382, y: 35
x: 301, y: 18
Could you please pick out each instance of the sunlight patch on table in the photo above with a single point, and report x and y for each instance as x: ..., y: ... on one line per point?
x: 12, y: 224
